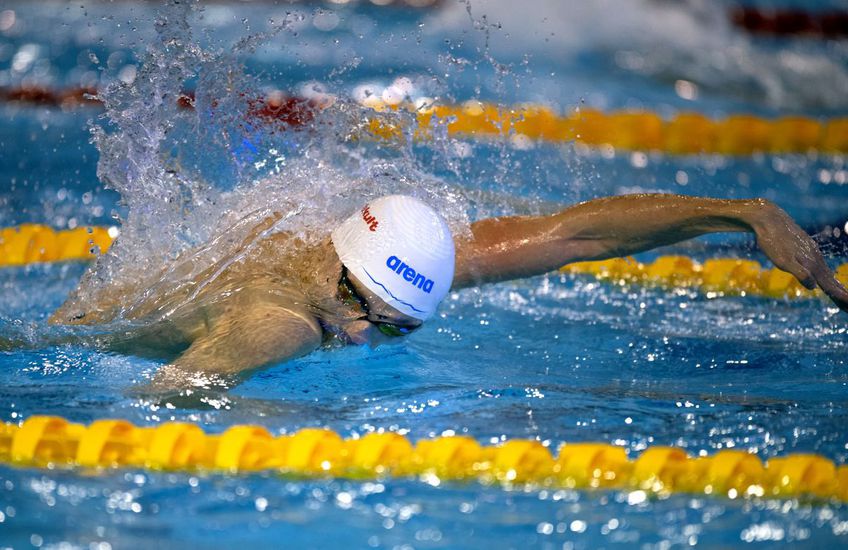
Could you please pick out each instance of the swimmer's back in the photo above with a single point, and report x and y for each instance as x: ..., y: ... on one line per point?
x: 279, y: 266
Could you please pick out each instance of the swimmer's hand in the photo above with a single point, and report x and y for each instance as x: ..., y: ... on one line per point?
x: 792, y: 250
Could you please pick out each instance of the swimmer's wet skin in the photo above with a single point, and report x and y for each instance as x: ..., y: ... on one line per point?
x: 389, y: 265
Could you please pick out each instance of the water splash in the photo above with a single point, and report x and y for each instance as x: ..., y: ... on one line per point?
x: 196, y: 182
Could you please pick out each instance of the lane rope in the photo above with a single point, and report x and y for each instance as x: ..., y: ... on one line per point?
x: 31, y: 243
x: 34, y: 243
x: 713, y: 278
x: 53, y: 442
x: 686, y: 133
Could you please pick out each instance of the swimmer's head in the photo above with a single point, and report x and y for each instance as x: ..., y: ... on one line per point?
x: 401, y: 250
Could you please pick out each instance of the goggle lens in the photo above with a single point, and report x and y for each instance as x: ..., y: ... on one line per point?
x: 393, y: 330
x: 352, y: 298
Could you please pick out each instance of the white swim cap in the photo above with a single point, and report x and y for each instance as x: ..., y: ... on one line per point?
x: 402, y: 250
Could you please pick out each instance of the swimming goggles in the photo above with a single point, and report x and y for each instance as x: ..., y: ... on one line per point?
x: 349, y: 296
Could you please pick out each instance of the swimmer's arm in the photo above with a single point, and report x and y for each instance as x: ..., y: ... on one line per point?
x: 522, y: 246
x: 241, y: 341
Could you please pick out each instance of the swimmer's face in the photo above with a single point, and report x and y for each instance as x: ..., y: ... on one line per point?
x: 383, y: 325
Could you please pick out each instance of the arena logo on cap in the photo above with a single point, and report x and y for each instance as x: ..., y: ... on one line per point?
x: 370, y: 219
x: 408, y: 273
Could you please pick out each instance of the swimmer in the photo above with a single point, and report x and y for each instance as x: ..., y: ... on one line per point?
x: 382, y: 273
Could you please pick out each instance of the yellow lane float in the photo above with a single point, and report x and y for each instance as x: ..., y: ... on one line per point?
x: 32, y: 243
x: 683, y: 134
x: 53, y: 442
x: 715, y: 277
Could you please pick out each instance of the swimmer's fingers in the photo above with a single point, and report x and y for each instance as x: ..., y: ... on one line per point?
x: 787, y: 260
x: 837, y: 292
x: 793, y: 251
x: 811, y: 270
x: 831, y: 286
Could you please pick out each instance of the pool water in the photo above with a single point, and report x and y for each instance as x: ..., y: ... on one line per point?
x: 555, y: 358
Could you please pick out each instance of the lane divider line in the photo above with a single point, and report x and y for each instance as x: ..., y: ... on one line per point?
x: 686, y: 133
x: 34, y: 243
x: 713, y: 278
x: 54, y: 442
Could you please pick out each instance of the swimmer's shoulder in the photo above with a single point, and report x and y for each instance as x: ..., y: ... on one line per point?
x: 318, y: 269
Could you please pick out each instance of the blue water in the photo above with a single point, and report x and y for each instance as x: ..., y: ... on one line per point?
x: 557, y: 358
